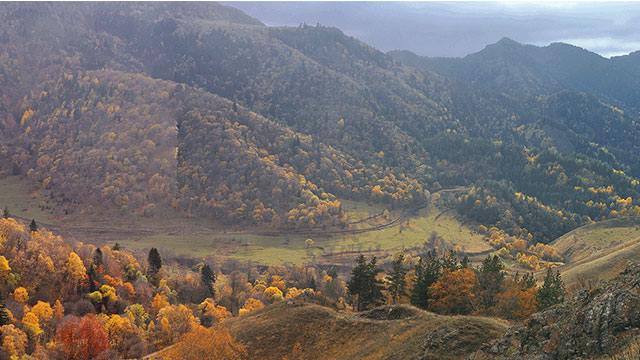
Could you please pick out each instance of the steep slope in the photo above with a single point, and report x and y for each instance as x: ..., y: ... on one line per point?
x: 553, y: 145
x: 178, y: 42
x: 110, y: 138
x: 599, y: 251
x: 556, y: 95
x: 325, y: 334
x: 593, y: 324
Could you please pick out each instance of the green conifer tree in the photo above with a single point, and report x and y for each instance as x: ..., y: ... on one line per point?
x: 397, y: 278
x: 4, y: 313
x: 364, y: 287
x: 33, y: 226
x: 428, y: 271
x: 208, y: 278
x: 491, y: 278
x: 552, y: 290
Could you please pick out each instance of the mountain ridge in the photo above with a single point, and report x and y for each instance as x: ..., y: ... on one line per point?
x: 359, y: 124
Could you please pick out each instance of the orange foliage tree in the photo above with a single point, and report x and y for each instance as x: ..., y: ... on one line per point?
x: 515, y: 303
x: 83, y: 338
x: 453, y: 293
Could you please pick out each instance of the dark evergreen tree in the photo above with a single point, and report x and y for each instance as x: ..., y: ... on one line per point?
x: 312, y: 283
x: 154, y: 260
x: 33, y: 226
x: 428, y: 271
x: 5, y: 213
x: 97, y: 258
x: 465, y: 262
x: 552, y: 290
x: 92, y: 277
x: 333, y: 272
x: 396, y: 278
x: 4, y: 313
x: 364, y: 288
x: 450, y: 261
x: 527, y: 281
x: 155, y: 264
x: 116, y: 247
x: 491, y: 277
x: 208, y: 279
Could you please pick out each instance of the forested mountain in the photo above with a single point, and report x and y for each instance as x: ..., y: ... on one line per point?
x: 522, y: 70
x: 564, y: 129
x: 201, y: 109
x: 153, y: 125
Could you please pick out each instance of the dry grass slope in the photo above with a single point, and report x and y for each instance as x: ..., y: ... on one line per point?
x: 599, y: 251
x: 326, y: 334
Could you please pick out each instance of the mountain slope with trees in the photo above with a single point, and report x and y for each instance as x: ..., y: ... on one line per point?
x: 546, y: 145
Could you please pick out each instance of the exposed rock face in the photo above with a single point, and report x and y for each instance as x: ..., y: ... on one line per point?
x: 593, y: 323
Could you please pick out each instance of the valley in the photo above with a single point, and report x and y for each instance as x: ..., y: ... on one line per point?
x: 184, y: 181
x: 372, y: 231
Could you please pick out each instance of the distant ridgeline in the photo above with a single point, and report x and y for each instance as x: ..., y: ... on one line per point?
x: 202, y: 109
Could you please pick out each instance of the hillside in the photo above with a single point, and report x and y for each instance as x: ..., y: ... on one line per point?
x: 598, y: 323
x: 251, y: 126
x: 183, y: 181
x: 325, y: 334
x: 599, y: 251
x: 525, y: 70
x: 548, y: 131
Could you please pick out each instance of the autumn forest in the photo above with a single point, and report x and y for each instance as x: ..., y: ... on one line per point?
x: 182, y: 181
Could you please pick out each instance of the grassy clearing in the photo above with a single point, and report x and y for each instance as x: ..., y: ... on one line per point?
x: 599, y: 251
x: 188, y: 237
x: 407, y: 235
x: 179, y: 235
x: 594, y: 238
x: 16, y: 194
x: 601, y: 266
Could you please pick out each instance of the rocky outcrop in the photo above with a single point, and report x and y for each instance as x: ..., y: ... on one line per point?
x: 593, y: 323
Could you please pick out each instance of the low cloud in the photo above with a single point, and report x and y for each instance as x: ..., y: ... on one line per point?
x: 458, y: 29
x: 605, y: 46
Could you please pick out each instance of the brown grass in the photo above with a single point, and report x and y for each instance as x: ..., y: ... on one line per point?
x: 326, y: 334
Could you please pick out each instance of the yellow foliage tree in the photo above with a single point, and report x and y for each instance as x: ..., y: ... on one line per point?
x: 21, y: 295
x: 175, y: 321
x: 272, y: 294
x: 75, y: 267
x: 43, y: 311
x: 159, y: 301
x: 14, y: 341
x: 251, y: 305
x: 31, y: 324
x: 278, y: 281
x: 294, y: 293
x: 210, y: 309
x: 4, y: 264
x: 119, y: 329
x: 58, y: 310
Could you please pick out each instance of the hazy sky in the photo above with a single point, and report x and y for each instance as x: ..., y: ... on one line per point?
x: 457, y: 29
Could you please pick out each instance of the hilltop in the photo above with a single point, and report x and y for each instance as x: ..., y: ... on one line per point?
x: 325, y: 334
